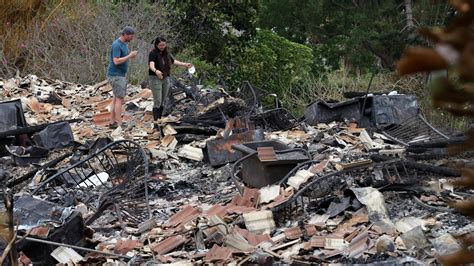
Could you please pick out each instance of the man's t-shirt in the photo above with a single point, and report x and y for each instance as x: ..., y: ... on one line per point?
x: 119, y: 49
x: 158, y: 58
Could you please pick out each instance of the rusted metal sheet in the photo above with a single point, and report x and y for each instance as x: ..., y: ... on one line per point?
x: 218, y: 210
x: 220, y: 151
x: 252, y: 238
x: 102, y: 119
x: 169, y: 244
x: 316, y: 242
x: 249, y: 198
x: 218, y: 254
x: 297, y: 232
x: 123, y: 246
x: 185, y: 215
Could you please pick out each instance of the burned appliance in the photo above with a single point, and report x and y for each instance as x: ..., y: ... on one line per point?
x: 265, y: 163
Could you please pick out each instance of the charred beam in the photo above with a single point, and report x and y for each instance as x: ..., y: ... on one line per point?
x: 32, y: 129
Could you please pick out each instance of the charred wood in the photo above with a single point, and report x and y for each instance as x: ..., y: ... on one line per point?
x: 32, y: 129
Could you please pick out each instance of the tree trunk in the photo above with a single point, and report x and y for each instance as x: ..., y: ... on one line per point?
x: 385, y: 58
x: 409, y: 14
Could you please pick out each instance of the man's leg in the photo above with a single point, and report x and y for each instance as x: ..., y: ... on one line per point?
x: 112, y: 112
x: 119, y: 101
x: 119, y: 86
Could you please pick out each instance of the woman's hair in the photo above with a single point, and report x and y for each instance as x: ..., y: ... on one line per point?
x: 166, y: 55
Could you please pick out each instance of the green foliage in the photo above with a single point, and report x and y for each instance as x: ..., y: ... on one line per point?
x: 205, y: 71
x: 217, y: 29
x: 357, y: 33
x: 272, y: 63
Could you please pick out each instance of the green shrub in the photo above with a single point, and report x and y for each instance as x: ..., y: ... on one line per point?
x: 272, y: 63
x: 205, y: 71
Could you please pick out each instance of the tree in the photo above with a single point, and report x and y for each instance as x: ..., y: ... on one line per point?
x: 357, y: 32
x: 218, y: 29
x: 272, y: 62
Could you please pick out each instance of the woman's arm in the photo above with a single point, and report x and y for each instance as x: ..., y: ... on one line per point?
x: 157, y: 72
x: 182, y: 64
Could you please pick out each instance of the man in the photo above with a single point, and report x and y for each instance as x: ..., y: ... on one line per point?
x: 119, y: 57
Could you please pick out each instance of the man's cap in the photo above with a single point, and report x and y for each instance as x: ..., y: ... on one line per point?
x: 128, y: 30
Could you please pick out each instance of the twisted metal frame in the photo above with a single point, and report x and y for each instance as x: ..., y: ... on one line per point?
x: 126, y: 189
x: 413, y: 131
x: 318, y: 189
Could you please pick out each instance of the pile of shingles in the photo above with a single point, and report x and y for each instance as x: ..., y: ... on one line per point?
x: 46, y: 101
x: 244, y: 229
x: 356, y: 228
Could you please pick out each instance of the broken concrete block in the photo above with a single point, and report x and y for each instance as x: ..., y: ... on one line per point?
x: 318, y: 168
x: 158, y: 154
x: 335, y: 243
x: 189, y: 152
x: 299, y: 178
x: 169, y: 130
x: 259, y: 222
x: 169, y: 142
x: 269, y: 193
x: 66, y: 255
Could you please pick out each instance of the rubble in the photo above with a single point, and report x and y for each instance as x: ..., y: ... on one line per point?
x: 223, y: 181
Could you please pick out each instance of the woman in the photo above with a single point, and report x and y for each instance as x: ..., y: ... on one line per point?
x: 159, y: 63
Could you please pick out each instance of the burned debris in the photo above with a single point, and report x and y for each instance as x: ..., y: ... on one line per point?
x: 223, y: 180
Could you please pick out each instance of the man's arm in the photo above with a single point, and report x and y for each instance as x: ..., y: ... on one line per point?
x: 119, y: 60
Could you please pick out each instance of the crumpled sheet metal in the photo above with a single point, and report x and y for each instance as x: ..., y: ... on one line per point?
x: 375, y: 203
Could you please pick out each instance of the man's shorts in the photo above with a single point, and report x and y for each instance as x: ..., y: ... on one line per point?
x: 119, y: 85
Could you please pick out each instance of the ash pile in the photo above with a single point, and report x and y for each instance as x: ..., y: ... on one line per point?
x: 224, y: 180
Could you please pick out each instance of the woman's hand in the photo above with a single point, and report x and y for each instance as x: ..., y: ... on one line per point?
x: 159, y: 74
x: 188, y: 65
